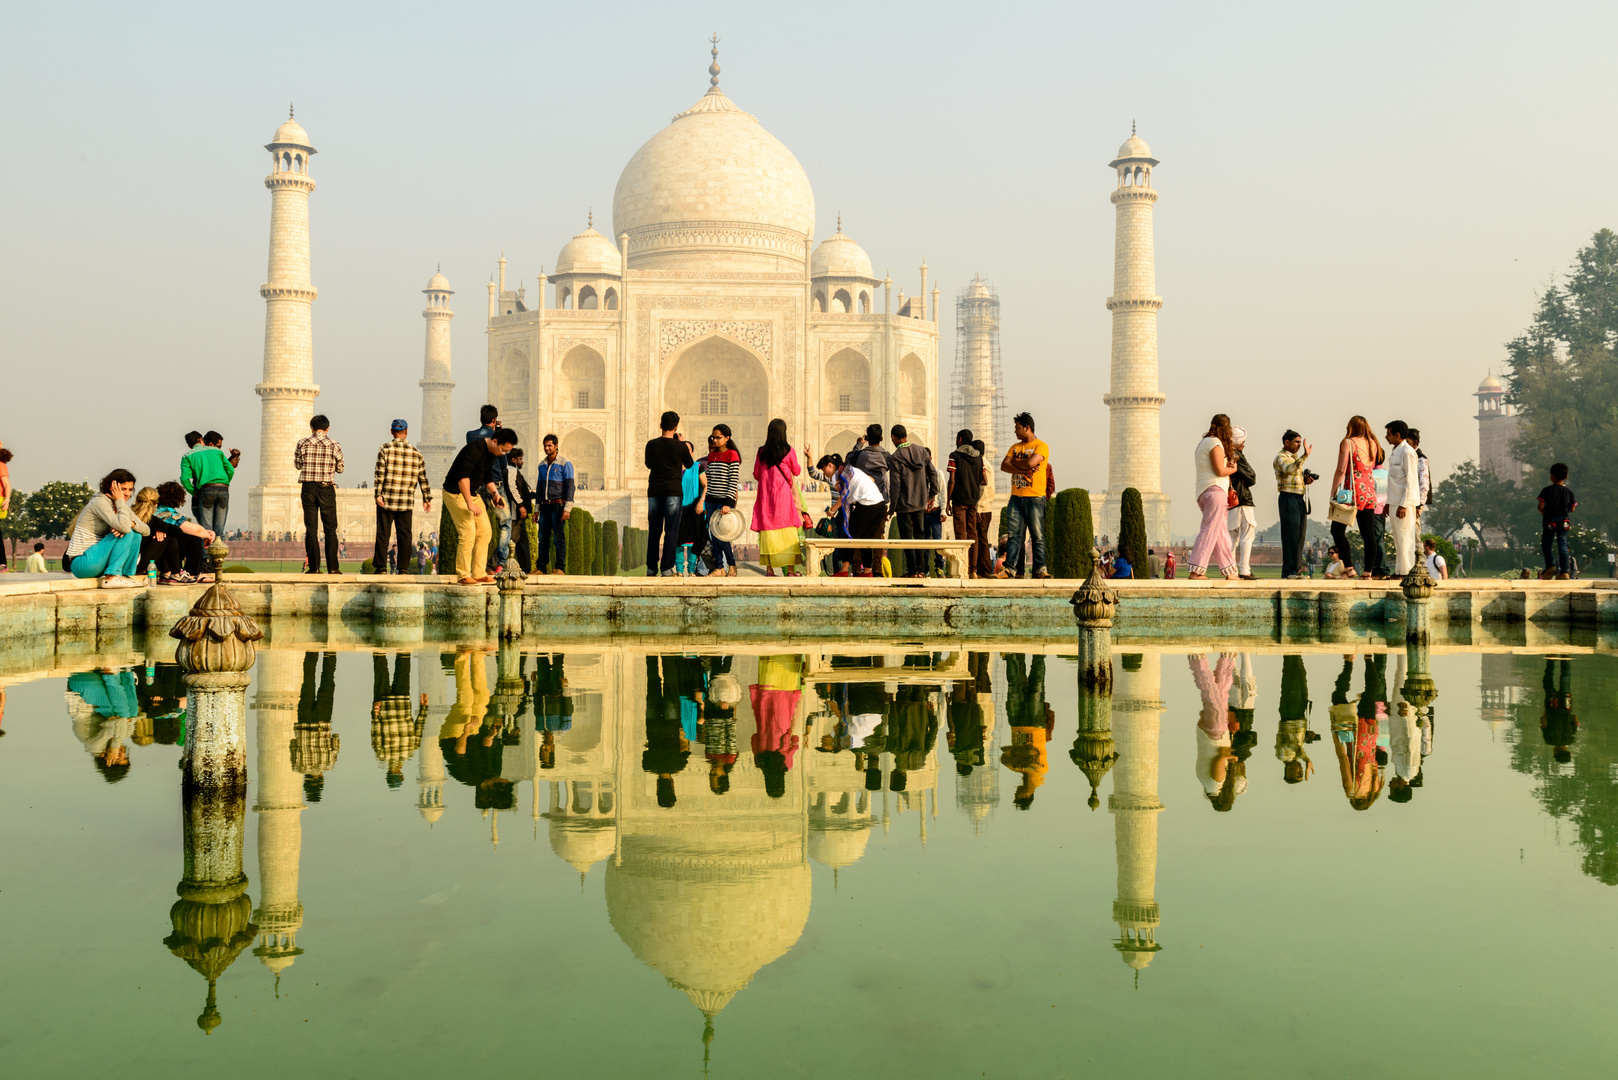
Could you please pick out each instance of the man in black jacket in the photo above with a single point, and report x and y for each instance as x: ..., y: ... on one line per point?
x: 1243, y: 525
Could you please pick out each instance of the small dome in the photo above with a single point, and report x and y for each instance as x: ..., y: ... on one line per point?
x: 839, y: 847
x: 979, y: 289
x: 430, y: 814
x: 583, y: 842
x: 438, y: 283
x: 1491, y: 385
x: 589, y: 253
x: 839, y: 256
x: 291, y: 133
x: 1134, y: 147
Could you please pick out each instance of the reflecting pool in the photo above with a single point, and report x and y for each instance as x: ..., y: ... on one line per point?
x: 850, y: 859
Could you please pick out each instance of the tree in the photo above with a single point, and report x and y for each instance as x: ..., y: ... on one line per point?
x: 1563, y: 379
x: 609, y: 546
x: 18, y: 525
x: 446, y: 537
x: 581, y: 541
x: 1476, y: 499
x: 1070, y: 545
x: 1132, y: 533
x: 54, y: 507
x: 598, y: 554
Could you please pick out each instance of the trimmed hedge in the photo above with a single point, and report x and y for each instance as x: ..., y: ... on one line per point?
x: 609, y: 548
x: 598, y: 557
x: 1132, y: 533
x: 446, y: 538
x: 1070, y: 542
x: 581, y: 541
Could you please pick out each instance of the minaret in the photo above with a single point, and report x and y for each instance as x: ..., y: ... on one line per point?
x: 1134, y: 806
x: 435, y: 444
x: 279, y: 809
x: 430, y: 773
x: 1135, y: 447
x: 288, y: 390
x: 977, y: 370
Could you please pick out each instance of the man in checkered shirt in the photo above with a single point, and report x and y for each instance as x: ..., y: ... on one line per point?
x: 395, y: 730
x: 400, y: 470
x: 318, y: 459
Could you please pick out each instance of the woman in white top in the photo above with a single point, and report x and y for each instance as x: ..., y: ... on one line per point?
x: 106, y: 537
x: 1215, y: 462
x: 859, y: 504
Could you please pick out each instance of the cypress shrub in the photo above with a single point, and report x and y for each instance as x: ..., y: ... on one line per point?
x: 581, y: 536
x: 1132, y: 533
x: 1056, y: 538
x: 609, y: 548
x: 446, y: 538
x: 634, y: 548
x: 598, y: 557
x: 1070, y: 546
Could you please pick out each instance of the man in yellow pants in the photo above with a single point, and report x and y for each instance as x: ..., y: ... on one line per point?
x: 469, y: 475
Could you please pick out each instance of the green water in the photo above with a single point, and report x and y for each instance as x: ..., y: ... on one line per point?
x: 520, y: 903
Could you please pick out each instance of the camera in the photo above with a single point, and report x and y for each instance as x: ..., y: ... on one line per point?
x: 1310, y: 476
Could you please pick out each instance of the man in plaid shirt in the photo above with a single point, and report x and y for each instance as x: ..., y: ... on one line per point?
x: 395, y: 730
x: 318, y: 458
x: 400, y: 470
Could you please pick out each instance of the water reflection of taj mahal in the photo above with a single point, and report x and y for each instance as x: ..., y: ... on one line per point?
x: 713, y: 888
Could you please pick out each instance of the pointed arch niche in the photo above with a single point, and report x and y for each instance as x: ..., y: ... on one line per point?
x: 581, y: 381
x: 589, y: 457
x: 912, y: 386
x: 689, y: 387
x: 847, y: 383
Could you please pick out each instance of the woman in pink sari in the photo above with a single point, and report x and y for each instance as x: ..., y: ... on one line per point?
x: 775, y: 710
x: 776, y: 518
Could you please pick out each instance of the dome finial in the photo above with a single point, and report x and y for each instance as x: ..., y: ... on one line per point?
x: 590, y: 219
x: 713, y: 68
x: 839, y: 221
x: 1132, y: 127
x: 289, y: 110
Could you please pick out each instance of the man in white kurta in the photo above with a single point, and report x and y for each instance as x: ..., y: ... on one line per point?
x: 1404, y: 497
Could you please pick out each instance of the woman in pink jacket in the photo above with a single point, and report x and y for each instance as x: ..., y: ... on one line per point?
x: 776, y: 517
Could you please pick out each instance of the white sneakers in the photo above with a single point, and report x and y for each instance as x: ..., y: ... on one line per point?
x: 112, y: 582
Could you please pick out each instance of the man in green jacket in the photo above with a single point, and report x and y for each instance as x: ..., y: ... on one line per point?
x: 206, y: 473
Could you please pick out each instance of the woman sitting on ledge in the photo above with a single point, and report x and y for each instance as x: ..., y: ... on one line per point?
x: 106, y: 537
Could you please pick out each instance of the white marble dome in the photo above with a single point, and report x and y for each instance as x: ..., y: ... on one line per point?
x: 438, y: 283
x: 589, y: 253
x: 714, y: 186
x: 1134, y: 147
x: 839, y: 256
x: 1491, y: 385
x: 291, y: 133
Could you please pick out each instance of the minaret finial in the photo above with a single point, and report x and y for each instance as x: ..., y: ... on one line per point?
x: 289, y: 110
x: 1132, y: 129
x: 839, y: 221
x: 713, y: 68
x: 590, y: 219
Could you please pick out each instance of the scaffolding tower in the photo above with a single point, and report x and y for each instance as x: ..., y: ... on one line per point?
x: 977, y: 389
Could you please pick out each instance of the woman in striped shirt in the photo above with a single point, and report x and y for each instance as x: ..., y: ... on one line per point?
x: 720, y: 475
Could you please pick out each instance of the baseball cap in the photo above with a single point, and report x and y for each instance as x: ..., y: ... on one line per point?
x: 400, y: 425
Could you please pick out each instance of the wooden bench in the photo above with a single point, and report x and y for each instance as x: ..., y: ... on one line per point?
x: 956, y: 552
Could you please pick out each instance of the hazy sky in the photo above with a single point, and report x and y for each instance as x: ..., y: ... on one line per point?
x: 1358, y: 203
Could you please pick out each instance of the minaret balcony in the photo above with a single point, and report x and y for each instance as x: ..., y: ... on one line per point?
x: 306, y: 293
x: 1134, y: 303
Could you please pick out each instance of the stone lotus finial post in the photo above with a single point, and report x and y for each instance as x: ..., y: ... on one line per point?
x: 1094, y: 751
x: 1418, y: 689
x: 510, y: 688
x: 1094, y: 606
x: 510, y: 583
x: 1418, y: 588
x: 212, y: 919
x: 216, y: 651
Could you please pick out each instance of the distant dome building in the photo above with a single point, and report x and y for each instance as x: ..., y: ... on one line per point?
x: 712, y: 299
x: 1497, y: 431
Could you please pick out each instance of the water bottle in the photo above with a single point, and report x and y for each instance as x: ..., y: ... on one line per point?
x: 151, y: 573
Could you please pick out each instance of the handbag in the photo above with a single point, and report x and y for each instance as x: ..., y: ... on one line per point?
x: 1341, y: 513
x: 805, y: 522
x: 1232, y: 500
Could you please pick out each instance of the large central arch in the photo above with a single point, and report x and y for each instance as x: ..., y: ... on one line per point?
x: 715, y: 381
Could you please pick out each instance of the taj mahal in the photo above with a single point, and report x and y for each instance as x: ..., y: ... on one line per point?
x: 709, y: 297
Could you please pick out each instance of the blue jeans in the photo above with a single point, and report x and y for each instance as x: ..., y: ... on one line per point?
x: 209, y: 506
x: 1552, y: 544
x: 113, y: 555
x: 662, y: 525
x: 720, y: 553
x: 550, y: 526
x: 1026, y: 512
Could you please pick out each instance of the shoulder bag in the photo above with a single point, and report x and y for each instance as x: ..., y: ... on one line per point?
x: 805, y: 522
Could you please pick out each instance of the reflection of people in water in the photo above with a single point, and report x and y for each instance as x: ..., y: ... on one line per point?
x: 160, y: 691
x: 314, y: 747
x: 1032, y: 722
x: 1357, y: 734
x: 912, y: 730
x: 1243, y: 706
x: 1221, y: 772
x: 967, y: 733
x: 775, y: 700
x: 103, y: 707
x: 1404, y: 740
x: 718, y: 727
x: 395, y: 730
x: 1292, y: 736
x: 667, y: 748
x: 553, y: 707
x: 1558, y: 725
x: 471, y: 740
